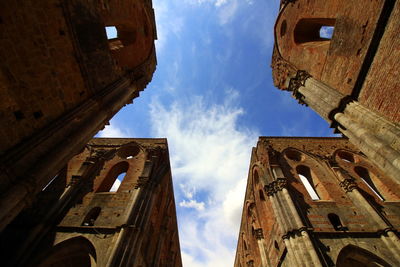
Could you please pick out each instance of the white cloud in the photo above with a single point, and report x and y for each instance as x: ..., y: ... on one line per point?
x: 227, y: 10
x: 210, y: 156
x: 114, y: 131
x: 192, y: 204
x: 167, y: 23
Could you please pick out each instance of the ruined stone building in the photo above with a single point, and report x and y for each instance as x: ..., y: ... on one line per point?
x: 349, y: 78
x: 317, y: 202
x: 330, y: 201
x: 82, y: 218
x: 61, y: 81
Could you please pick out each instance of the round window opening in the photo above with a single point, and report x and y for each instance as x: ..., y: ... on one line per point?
x: 128, y: 152
x: 293, y: 155
x: 283, y: 28
x: 346, y: 156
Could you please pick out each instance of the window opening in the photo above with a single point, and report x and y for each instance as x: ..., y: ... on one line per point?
x: 366, y: 178
x: 114, y: 177
x: 345, y: 156
x: 314, y: 30
x: 305, y: 177
x: 117, y: 183
x: 335, y: 221
x: 326, y: 32
x: 111, y: 32
x: 91, y: 217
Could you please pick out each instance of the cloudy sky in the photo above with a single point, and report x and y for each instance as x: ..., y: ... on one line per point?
x: 212, y: 96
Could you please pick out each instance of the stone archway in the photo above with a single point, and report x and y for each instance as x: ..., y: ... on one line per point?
x: 77, y: 251
x: 351, y: 256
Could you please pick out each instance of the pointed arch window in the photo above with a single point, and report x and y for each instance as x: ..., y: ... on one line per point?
x: 366, y: 178
x: 306, y: 178
x: 114, y: 178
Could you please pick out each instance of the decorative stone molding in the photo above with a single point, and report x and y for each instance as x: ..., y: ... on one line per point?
x: 275, y: 186
x: 348, y: 184
x: 295, y: 232
x: 296, y: 82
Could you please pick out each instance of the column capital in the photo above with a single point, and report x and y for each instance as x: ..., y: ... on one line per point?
x: 296, y: 82
x: 348, y: 184
x: 275, y: 186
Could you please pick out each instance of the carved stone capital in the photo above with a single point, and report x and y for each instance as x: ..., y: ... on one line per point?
x: 348, y: 184
x: 275, y: 186
x: 296, y: 82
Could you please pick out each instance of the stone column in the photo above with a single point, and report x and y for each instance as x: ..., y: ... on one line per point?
x: 296, y: 239
x: 261, y: 246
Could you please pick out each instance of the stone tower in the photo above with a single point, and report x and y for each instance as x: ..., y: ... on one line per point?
x: 61, y: 81
x: 317, y: 202
x: 350, y: 78
x: 84, y: 217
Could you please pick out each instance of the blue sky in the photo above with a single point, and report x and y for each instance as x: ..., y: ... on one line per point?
x: 212, y: 96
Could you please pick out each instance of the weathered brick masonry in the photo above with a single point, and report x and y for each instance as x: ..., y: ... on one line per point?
x: 61, y: 81
x: 351, y: 78
x: 77, y: 220
x: 348, y: 214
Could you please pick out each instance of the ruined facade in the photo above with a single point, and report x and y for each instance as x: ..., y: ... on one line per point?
x: 317, y: 202
x: 82, y: 219
x: 350, y: 78
x: 61, y: 81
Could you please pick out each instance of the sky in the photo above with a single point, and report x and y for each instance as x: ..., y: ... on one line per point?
x: 212, y: 96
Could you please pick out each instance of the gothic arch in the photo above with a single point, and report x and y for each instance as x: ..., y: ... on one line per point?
x: 77, y: 251
x: 368, y: 177
x: 351, y: 256
x: 310, y: 172
x: 108, y: 181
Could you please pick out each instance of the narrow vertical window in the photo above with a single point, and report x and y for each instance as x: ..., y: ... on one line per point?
x: 117, y: 183
x: 306, y: 178
x: 366, y: 178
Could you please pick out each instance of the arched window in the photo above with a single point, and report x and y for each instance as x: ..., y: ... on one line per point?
x: 313, y: 30
x: 366, y: 178
x: 356, y: 256
x: 335, y: 221
x: 91, y: 216
x: 114, y: 177
x: 77, y: 251
x: 306, y: 178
